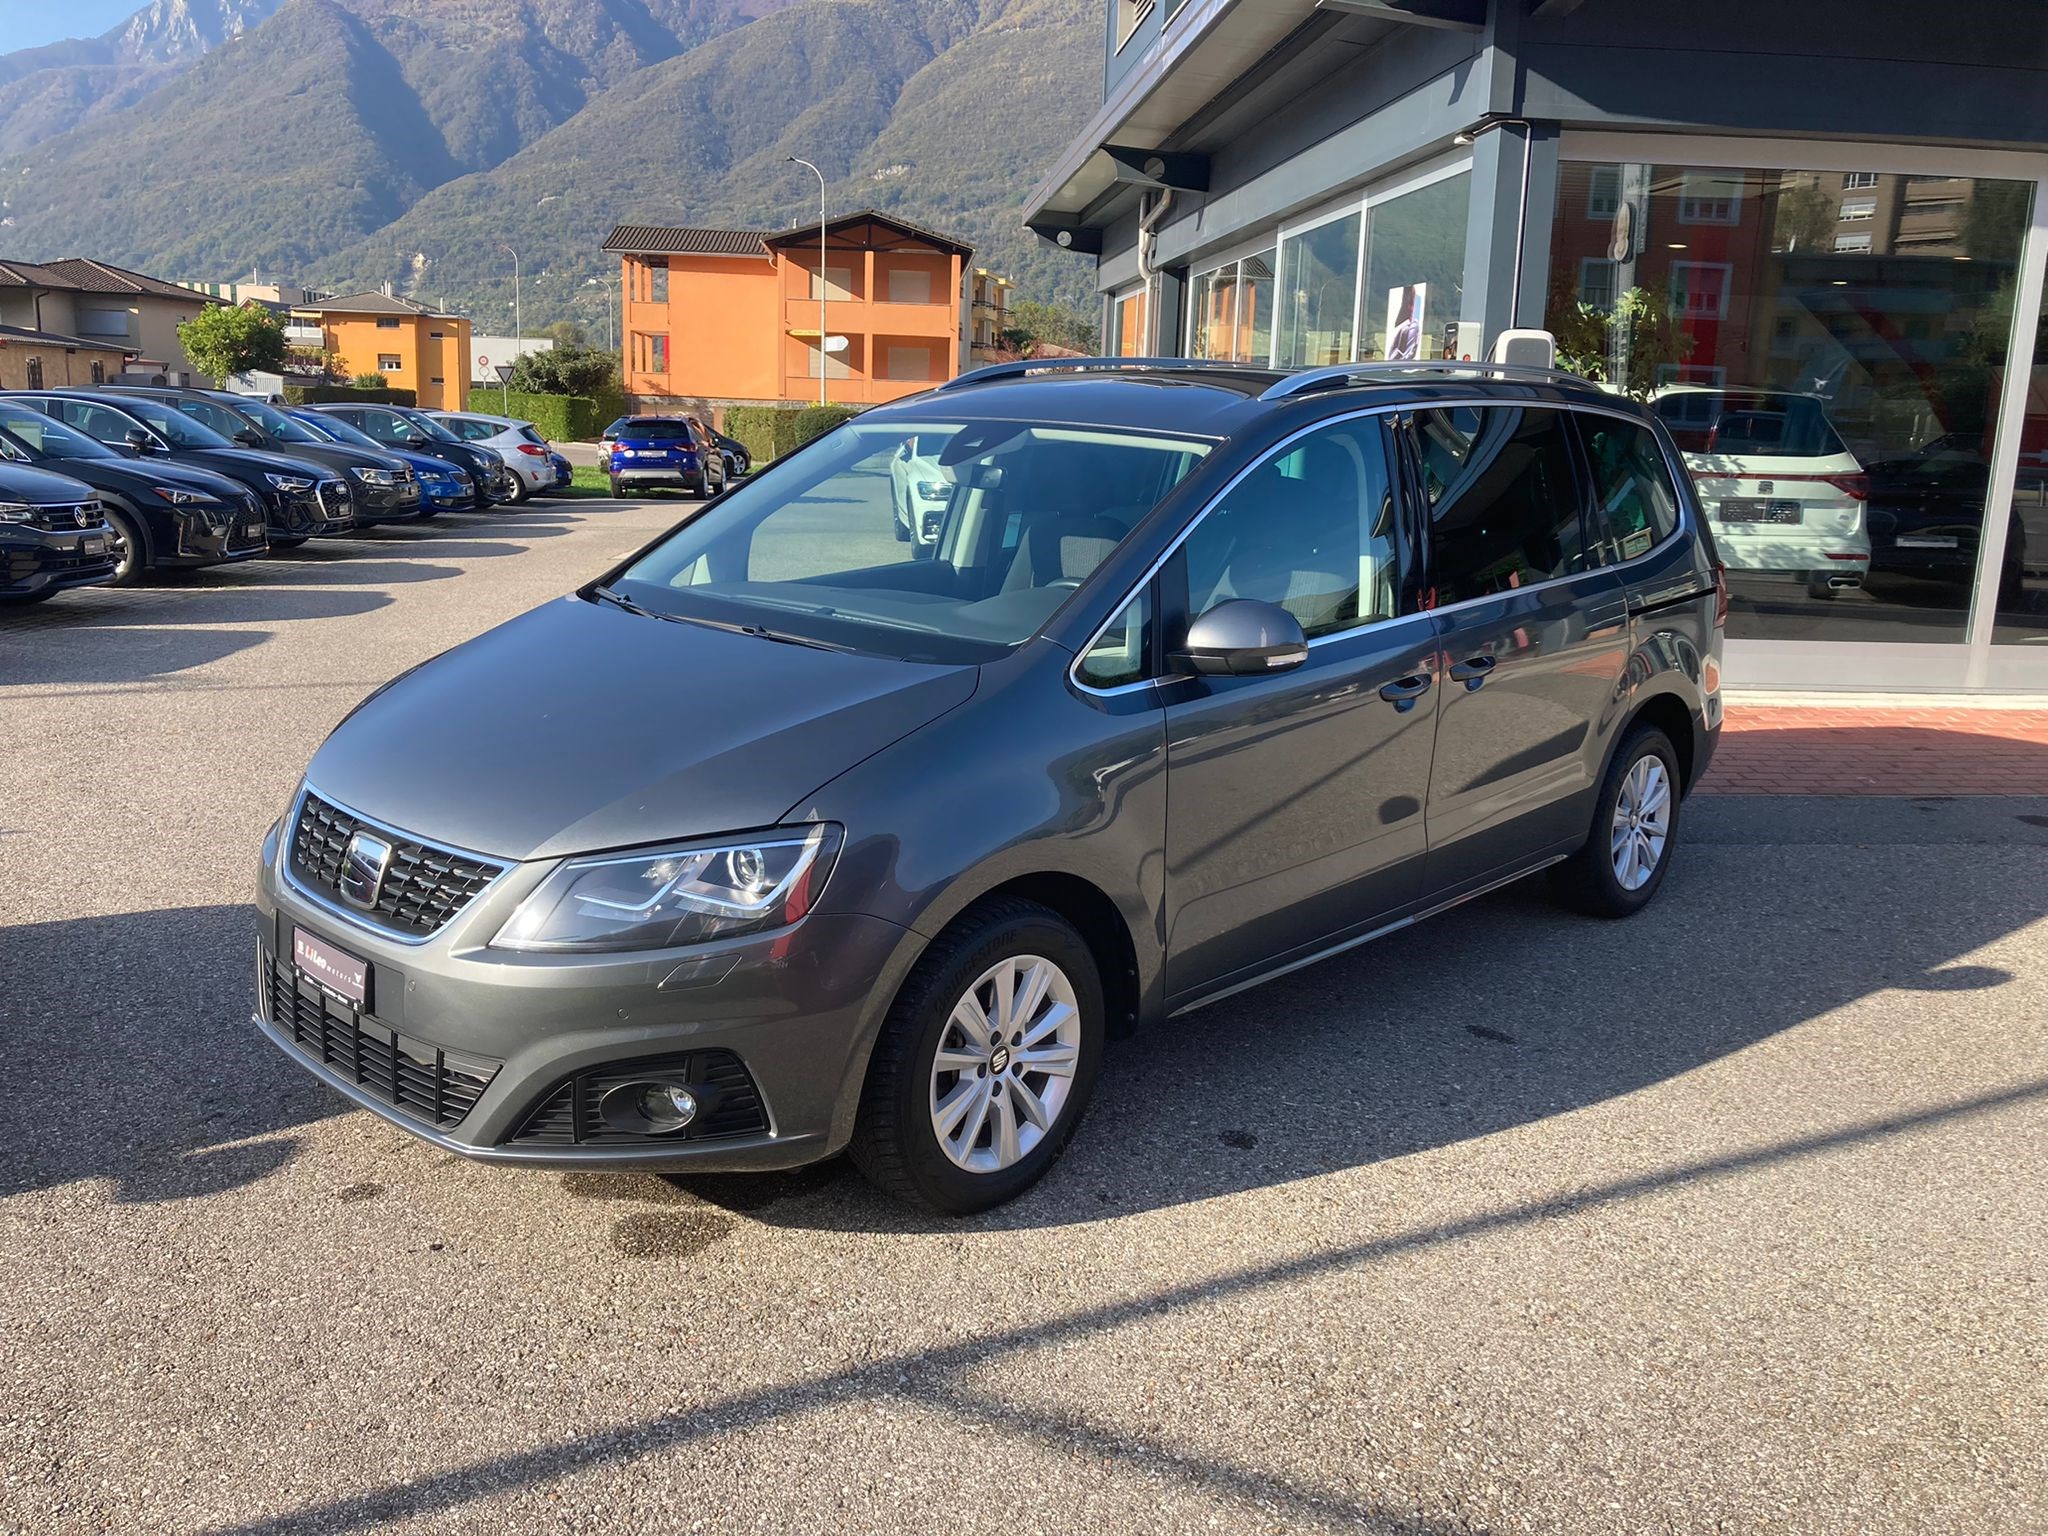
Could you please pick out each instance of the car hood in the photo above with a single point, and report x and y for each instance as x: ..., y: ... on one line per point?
x: 267, y: 463
x: 580, y: 727
x: 137, y: 475
x: 418, y: 462
x: 337, y: 455
x: 42, y: 487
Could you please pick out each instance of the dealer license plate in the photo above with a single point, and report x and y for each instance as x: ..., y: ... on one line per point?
x: 331, y: 969
x: 1780, y: 512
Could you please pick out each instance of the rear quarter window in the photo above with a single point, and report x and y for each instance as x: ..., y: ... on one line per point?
x: 1635, y: 502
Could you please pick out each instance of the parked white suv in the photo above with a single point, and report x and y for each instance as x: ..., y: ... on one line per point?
x: 517, y: 442
x: 1781, y: 490
x: 919, y: 490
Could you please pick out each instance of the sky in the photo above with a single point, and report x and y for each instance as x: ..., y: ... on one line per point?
x: 25, y: 23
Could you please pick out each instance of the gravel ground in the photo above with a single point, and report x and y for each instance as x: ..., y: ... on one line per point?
x: 1730, y: 1218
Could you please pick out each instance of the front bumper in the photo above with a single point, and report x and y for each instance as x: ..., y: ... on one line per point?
x: 798, y: 1008
x: 33, y: 562
x: 386, y: 503
x: 214, y: 534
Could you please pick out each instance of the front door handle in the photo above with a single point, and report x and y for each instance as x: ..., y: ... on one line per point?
x: 1402, y: 692
x: 1472, y: 671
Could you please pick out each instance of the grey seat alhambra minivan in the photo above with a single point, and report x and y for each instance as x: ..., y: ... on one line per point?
x: 785, y: 837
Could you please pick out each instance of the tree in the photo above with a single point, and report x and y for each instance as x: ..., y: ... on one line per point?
x: 566, y: 371
x: 226, y: 339
x: 371, y: 381
x: 1637, y: 330
x: 567, y: 333
x: 1033, y: 320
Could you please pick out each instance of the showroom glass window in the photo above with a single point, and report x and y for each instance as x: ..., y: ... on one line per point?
x: 1230, y: 311
x: 1127, y: 324
x: 1415, y: 270
x: 1828, y: 349
x: 1315, y: 318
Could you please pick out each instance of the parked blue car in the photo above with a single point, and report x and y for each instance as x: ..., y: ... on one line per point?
x: 443, y: 486
x: 665, y: 450
x: 564, y: 471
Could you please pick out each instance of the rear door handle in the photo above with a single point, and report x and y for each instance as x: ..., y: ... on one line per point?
x: 1472, y: 671
x: 1402, y: 692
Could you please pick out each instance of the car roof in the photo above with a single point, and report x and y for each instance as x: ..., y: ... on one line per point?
x: 1217, y: 400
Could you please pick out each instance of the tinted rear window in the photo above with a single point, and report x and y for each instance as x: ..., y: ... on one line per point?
x: 657, y: 431
x: 1778, y: 426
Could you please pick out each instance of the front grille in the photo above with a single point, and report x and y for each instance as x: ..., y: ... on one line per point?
x: 569, y: 1115
x: 335, y: 505
x: 63, y: 517
x: 423, y: 888
x: 411, y: 1076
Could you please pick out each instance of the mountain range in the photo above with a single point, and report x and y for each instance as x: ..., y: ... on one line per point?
x: 350, y: 143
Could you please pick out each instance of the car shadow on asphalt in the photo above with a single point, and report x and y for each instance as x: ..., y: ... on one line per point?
x: 151, y: 1076
x: 953, y: 1380
x: 1506, y: 1012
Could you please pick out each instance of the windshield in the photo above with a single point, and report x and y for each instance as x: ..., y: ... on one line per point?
x: 432, y: 428
x: 934, y: 541
x: 332, y: 429
x: 172, y: 425
x: 50, y: 438
x: 275, y: 422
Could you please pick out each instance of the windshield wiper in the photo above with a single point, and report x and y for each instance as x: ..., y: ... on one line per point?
x: 783, y: 637
x: 619, y: 599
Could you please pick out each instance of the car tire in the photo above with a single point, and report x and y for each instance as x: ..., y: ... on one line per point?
x: 519, y: 490
x: 898, y: 1141
x: 135, y: 556
x: 617, y: 493
x: 1639, y: 800
x: 898, y: 522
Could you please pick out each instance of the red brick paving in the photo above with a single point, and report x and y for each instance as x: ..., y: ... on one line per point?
x: 1844, y: 750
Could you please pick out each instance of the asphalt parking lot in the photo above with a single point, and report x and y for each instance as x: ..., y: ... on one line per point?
x: 1729, y: 1218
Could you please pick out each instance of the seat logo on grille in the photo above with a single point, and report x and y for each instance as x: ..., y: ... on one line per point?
x: 362, y: 870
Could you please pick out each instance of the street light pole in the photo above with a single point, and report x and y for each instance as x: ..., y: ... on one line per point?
x: 822, y: 354
x: 611, y: 294
x: 518, y: 321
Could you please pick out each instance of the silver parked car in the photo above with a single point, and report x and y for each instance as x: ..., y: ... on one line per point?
x: 526, y: 453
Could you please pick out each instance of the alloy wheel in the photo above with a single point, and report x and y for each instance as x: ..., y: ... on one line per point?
x: 1005, y: 1063
x: 1642, y: 822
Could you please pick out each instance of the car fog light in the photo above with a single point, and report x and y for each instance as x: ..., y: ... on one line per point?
x: 648, y: 1109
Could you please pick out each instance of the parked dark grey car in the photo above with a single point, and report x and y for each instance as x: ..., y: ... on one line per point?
x: 794, y: 843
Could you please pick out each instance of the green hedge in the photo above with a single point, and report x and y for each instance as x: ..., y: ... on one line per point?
x: 558, y: 418
x: 317, y: 394
x: 769, y: 431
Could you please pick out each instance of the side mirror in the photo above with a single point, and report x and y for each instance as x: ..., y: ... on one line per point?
x: 249, y: 437
x: 139, y: 440
x: 1244, y: 638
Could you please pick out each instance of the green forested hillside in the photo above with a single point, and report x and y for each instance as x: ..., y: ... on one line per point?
x: 354, y: 142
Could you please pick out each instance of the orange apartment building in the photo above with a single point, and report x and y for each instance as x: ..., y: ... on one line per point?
x: 414, y: 347
x: 731, y: 315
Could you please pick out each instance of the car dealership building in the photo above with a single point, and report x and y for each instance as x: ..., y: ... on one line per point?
x: 1812, y: 235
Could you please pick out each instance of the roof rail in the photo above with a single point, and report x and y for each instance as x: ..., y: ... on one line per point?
x: 1338, y: 375
x: 997, y: 371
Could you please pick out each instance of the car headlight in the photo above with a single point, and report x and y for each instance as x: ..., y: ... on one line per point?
x: 179, y: 498
x: 374, y: 476
x: 296, y: 485
x: 15, y: 511
x: 685, y: 894
x: 933, y: 490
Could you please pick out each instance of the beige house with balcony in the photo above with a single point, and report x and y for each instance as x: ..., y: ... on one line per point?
x: 77, y: 315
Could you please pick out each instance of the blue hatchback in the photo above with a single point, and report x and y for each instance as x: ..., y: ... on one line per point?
x: 665, y: 450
